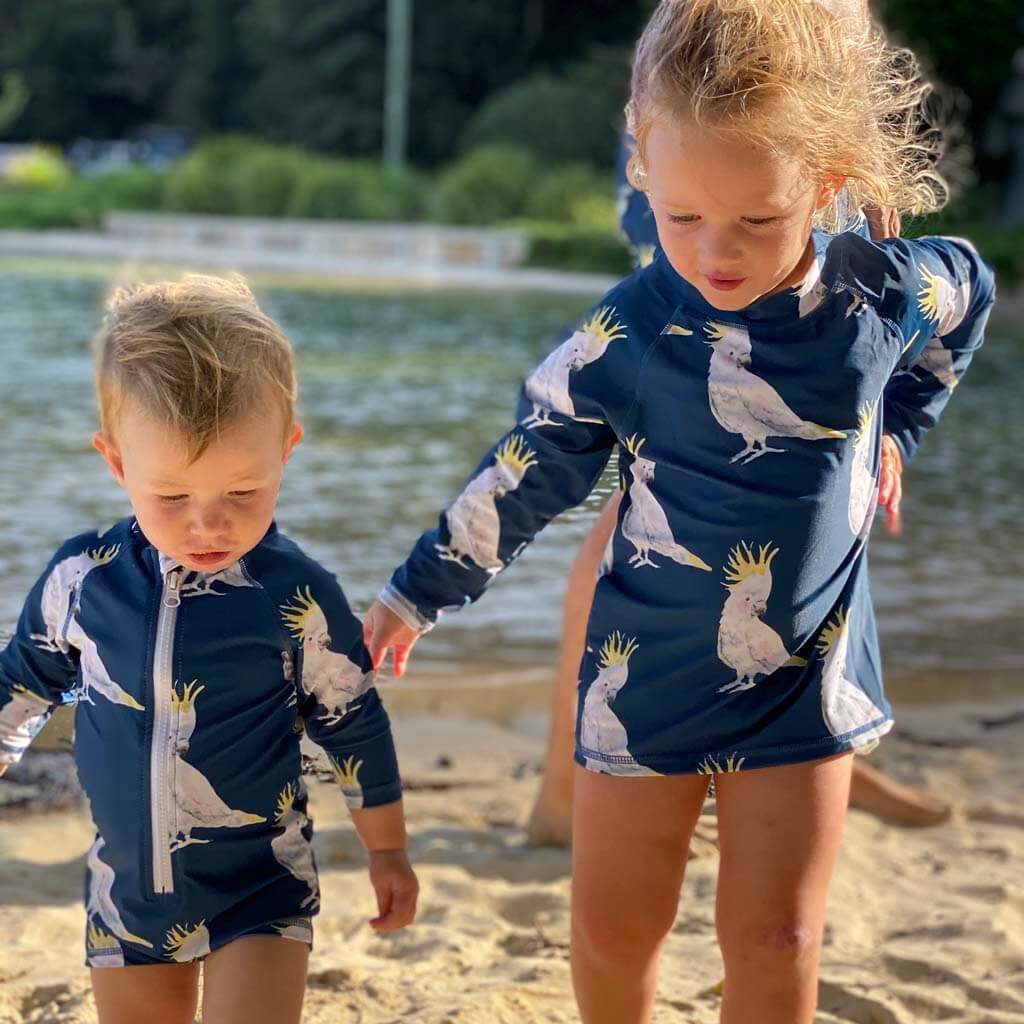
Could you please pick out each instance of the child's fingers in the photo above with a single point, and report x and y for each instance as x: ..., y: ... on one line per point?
x: 401, y: 911
x: 402, y: 652
x: 893, y: 521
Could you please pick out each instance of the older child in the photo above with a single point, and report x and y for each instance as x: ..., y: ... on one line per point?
x: 198, y: 643
x: 742, y: 375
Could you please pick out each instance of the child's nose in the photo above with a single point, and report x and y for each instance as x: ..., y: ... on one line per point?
x: 210, y: 519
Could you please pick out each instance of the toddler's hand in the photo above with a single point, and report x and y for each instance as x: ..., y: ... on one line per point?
x: 890, y: 484
x: 382, y: 629
x: 396, y: 886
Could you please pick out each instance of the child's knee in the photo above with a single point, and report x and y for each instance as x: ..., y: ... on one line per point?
x: 786, y: 941
x: 619, y: 939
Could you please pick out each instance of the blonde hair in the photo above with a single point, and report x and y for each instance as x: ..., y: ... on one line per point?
x: 196, y: 354
x: 816, y: 82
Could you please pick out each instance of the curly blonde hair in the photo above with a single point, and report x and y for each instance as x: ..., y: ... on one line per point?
x: 196, y: 354
x: 814, y: 81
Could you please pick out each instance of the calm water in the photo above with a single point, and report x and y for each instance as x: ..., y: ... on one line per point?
x: 401, y: 394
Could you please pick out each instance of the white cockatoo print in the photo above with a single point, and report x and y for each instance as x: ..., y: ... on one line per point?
x: 94, y: 675
x: 59, y: 607
x: 21, y: 718
x: 99, y: 900
x: 548, y: 386
x: 600, y: 729
x: 748, y: 646
x: 745, y: 404
x: 101, y: 948
x: 333, y: 679
x: 473, y: 522
x: 198, y: 805
x: 184, y: 944
x: 945, y: 304
x: 863, y: 483
x: 645, y: 524
x: 347, y: 774
x: 299, y: 928
x: 291, y: 848
x: 844, y: 705
x: 201, y: 583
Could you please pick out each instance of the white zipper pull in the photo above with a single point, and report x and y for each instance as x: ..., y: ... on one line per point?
x: 172, y: 598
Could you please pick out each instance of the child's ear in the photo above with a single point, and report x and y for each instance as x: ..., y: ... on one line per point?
x: 293, y: 439
x: 832, y: 184
x: 111, y: 456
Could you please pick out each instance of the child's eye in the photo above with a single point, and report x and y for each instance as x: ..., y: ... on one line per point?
x: 682, y: 218
x: 172, y: 499
x: 243, y: 494
x: 759, y: 221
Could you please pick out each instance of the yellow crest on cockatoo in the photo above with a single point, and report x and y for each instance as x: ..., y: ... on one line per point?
x: 347, y: 772
x: 303, y: 616
x: 99, y: 939
x: 188, y: 697
x: 285, y: 802
x: 103, y: 556
x: 832, y: 632
x: 516, y: 455
x: 715, y: 331
x: 676, y: 329
x: 617, y: 650
x: 928, y: 297
x: 742, y: 563
x: 601, y: 325
x: 866, y: 419
x: 712, y: 766
x: 644, y: 254
x: 634, y: 443
x: 179, y: 935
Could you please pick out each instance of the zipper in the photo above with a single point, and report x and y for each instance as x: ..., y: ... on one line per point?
x: 161, y: 753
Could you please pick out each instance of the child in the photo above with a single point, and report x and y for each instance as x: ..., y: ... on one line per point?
x: 198, y: 643
x: 743, y: 377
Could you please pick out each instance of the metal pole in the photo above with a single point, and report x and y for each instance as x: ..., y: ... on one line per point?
x: 396, y: 96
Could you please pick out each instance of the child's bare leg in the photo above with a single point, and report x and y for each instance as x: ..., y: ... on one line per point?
x: 779, y: 831
x: 160, y: 994
x: 892, y: 801
x: 629, y: 853
x: 550, y: 821
x: 257, y: 979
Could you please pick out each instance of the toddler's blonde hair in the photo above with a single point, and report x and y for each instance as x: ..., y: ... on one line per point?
x: 195, y: 354
x: 816, y: 82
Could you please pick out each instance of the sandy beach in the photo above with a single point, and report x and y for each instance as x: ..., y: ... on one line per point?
x: 924, y: 924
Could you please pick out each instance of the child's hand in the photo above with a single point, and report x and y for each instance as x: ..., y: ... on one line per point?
x: 396, y: 886
x: 890, y: 484
x: 382, y: 629
x: 883, y: 222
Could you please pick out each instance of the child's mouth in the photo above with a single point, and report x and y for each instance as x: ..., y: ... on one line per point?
x: 208, y: 557
x: 725, y: 284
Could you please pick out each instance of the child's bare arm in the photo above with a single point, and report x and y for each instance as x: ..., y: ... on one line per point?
x: 382, y: 832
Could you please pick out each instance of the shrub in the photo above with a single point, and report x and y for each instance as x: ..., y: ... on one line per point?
x: 485, y: 186
x: 205, y: 180
x: 40, y: 168
x: 265, y: 180
x: 356, y: 190
x: 133, y: 188
x: 571, y: 193
x: 564, y: 247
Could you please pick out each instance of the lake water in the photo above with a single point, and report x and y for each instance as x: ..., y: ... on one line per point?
x: 401, y: 395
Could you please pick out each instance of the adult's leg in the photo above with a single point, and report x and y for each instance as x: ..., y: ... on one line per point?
x: 157, y: 994
x: 257, y: 979
x: 631, y: 837
x: 779, y: 831
x: 550, y: 822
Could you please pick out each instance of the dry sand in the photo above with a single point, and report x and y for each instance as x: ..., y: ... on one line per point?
x: 924, y: 925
